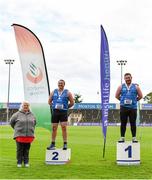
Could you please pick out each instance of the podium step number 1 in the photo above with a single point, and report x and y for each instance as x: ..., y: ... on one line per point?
x: 57, y: 156
x: 128, y: 153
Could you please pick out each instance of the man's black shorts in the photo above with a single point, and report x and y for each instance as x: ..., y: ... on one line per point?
x: 59, y: 116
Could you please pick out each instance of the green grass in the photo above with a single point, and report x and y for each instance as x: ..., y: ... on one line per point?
x: 86, y: 144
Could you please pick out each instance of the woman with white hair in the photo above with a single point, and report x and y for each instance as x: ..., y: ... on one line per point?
x: 23, y: 122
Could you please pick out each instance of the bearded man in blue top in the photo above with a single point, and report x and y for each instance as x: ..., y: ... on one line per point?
x: 60, y: 101
x: 128, y: 94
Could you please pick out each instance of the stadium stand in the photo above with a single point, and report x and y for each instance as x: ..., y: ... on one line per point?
x: 87, y: 113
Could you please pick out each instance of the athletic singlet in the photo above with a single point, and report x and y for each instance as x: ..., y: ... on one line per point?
x: 60, y: 101
x: 128, y: 96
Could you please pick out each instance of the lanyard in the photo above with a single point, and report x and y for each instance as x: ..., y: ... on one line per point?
x: 60, y: 93
x: 128, y: 87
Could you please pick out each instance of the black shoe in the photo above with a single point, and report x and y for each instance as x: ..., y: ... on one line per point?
x: 65, y: 147
x: 51, y: 147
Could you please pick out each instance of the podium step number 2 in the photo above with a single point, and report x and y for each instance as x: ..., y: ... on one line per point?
x: 128, y: 153
x: 57, y: 156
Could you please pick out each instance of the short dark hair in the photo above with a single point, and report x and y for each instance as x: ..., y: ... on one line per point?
x: 127, y: 74
x: 62, y: 81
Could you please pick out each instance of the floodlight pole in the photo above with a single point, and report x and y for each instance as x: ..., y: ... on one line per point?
x: 122, y: 63
x: 9, y: 62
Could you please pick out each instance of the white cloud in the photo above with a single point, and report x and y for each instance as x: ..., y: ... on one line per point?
x: 70, y: 33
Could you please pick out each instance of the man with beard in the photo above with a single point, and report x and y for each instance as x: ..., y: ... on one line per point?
x: 128, y: 94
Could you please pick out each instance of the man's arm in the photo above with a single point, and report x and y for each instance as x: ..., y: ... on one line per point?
x: 118, y: 93
x: 50, y: 98
x: 139, y: 93
x: 71, y: 100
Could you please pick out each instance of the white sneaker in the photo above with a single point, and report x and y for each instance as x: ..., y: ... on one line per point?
x: 134, y: 140
x: 121, y: 140
x: 19, y: 165
x: 26, y: 165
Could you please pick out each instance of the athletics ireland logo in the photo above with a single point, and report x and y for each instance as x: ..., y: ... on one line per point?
x: 35, y: 74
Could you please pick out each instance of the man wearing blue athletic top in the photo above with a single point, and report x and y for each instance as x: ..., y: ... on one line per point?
x: 128, y: 94
x: 60, y: 101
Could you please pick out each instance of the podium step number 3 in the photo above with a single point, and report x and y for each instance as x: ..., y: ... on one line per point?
x: 128, y: 153
x: 58, y: 156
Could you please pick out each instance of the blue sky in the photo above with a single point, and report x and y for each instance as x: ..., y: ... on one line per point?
x: 70, y: 34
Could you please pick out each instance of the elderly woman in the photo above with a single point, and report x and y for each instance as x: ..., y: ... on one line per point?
x: 23, y: 122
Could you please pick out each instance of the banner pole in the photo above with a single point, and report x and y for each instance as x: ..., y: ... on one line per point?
x: 104, y: 147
